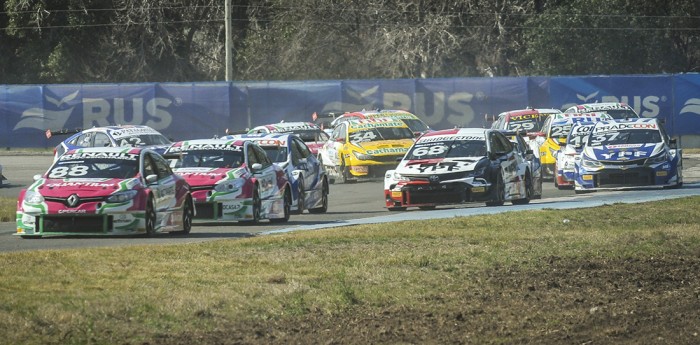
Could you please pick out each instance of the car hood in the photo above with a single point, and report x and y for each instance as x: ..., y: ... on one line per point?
x: 385, y: 147
x: 83, y: 187
x: 208, y: 176
x: 624, y: 152
x: 426, y: 167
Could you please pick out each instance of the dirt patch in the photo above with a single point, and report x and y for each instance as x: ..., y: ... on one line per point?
x: 622, y: 301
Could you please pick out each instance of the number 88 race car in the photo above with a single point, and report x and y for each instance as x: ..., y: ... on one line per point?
x: 456, y: 166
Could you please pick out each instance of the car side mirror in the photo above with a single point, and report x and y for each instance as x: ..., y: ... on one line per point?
x: 36, y: 177
x: 151, y: 179
x: 256, y: 166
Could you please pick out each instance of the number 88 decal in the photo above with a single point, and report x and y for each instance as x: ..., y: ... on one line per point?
x: 75, y: 170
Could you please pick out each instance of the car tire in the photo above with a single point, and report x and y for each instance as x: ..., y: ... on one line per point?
x: 396, y: 208
x: 257, y: 205
x: 187, y: 216
x: 499, y: 193
x: 301, y: 199
x: 287, y: 208
x: 150, y: 217
x: 529, y: 191
x: 324, y: 200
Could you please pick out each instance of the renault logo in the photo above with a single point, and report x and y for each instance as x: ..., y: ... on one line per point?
x: 73, y: 200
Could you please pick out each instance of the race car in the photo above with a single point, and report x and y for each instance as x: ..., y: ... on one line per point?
x: 456, y: 166
x: 530, y: 120
x: 628, y: 154
x: 616, y: 110
x: 103, y: 191
x: 569, y: 153
x: 304, y: 171
x: 110, y: 136
x: 555, y: 128
x: 365, y: 148
x: 232, y: 180
x: 571, y: 146
x: 521, y: 145
x: 311, y: 134
x: 411, y: 120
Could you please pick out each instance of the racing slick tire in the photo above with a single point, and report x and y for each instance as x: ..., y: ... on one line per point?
x: 396, y: 208
x: 257, y: 205
x: 287, y: 208
x: 500, y: 193
x: 150, y: 215
x: 301, y: 201
x: 529, y: 191
x: 187, y: 216
x: 324, y: 200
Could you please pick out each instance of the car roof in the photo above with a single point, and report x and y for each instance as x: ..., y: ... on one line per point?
x: 588, y: 107
x: 288, y: 126
x: 267, y: 139
x: 108, y: 149
x: 528, y: 111
x: 206, y: 144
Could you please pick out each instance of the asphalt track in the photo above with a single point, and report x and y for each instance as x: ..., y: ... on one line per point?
x: 350, y: 204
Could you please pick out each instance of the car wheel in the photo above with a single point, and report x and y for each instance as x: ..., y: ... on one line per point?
x: 301, y: 198
x: 324, y: 200
x: 257, y: 205
x: 150, y: 215
x: 28, y: 237
x: 396, y: 208
x: 529, y: 191
x: 499, y: 194
x: 287, y: 208
x: 187, y: 216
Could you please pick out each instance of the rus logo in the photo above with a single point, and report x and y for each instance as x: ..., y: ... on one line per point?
x: 691, y: 106
x: 42, y: 118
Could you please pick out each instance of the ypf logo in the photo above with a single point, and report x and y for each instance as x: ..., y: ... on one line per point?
x: 43, y: 118
x: 691, y: 106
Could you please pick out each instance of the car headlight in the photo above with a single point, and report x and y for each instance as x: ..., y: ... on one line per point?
x: 398, y: 177
x: 228, y: 186
x: 659, y: 159
x: 32, y: 197
x: 588, y: 163
x: 362, y: 156
x: 124, y: 196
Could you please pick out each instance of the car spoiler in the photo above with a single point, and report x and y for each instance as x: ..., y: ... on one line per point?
x: 50, y: 133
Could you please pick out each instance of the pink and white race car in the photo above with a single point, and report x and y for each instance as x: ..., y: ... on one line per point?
x: 232, y: 180
x: 106, y: 191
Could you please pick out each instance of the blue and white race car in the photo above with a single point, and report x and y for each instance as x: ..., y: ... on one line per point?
x: 304, y: 171
x: 111, y: 136
x: 627, y: 154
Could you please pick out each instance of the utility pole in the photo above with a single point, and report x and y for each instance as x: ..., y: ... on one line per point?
x: 229, y: 44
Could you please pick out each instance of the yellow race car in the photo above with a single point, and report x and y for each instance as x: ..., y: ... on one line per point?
x: 365, y: 148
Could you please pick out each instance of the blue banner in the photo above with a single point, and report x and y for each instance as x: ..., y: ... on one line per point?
x: 202, y: 110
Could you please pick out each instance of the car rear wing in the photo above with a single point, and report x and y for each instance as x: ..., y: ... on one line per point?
x: 65, y: 131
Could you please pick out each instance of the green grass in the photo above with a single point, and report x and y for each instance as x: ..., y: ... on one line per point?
x: 141, y: 293
x: 8, y: 209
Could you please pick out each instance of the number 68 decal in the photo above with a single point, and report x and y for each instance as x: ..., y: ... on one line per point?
x: 75, y: 170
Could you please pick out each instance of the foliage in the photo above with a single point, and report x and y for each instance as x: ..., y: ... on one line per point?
x: 79, y: 41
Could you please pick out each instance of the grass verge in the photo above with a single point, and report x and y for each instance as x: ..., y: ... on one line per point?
x: 617, y: 273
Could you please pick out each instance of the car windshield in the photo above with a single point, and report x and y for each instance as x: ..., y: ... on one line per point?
x: 95, y: 168
x: 311, y: 136
x: 209, y: 159
x: 448, y: 149
x: 277, y: 154
x: 382, y: 133
x: 621, y: 113
x: 531, y: 124
x: 560, y: 130
x: 143, y: 140
x: 634, y: 136
x: 416, y: 125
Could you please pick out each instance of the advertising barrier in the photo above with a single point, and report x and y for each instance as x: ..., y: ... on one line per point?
x: 206, y: 109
